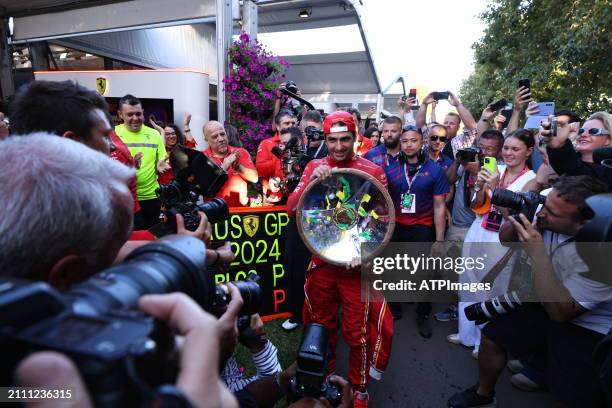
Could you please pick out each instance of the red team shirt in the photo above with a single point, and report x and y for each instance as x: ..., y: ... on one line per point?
x: 234, y: 191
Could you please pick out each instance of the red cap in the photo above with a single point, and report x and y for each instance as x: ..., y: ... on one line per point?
x: 329, y: 124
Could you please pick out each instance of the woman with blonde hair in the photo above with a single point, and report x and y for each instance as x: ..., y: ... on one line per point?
x: 594, y: 134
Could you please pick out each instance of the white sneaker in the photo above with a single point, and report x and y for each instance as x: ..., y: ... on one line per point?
x: 475, y: 353
x: 524, y: 383
x: 453, y: 338
x: 290, y: 325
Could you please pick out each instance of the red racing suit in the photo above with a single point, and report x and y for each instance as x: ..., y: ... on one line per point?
x: 367, y: 327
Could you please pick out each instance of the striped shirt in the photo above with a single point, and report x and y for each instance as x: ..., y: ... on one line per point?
x: 266, y: 363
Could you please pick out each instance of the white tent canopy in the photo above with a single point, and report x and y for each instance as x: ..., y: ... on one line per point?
x: 186, y: 47
x: 181, y: 34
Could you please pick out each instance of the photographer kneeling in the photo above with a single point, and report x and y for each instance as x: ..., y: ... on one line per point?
x: 575, y: 313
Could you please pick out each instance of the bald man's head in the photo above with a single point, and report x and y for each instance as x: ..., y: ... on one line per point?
x: 214, y: 134
x: 211, y: 126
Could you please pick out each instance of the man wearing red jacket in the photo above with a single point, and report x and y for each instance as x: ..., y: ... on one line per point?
x: 329, y: 286
x: 267, y: 163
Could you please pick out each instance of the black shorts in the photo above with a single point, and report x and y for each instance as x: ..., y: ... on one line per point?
x: 571, y: 374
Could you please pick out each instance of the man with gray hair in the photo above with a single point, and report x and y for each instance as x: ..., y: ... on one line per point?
x: 65, y: 209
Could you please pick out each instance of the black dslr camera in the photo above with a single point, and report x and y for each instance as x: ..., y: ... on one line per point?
x: 313, y: 134
x: 121, y: 353
x: 292, y: 87
x: 309, y: 380
x: 195, y: 175
x: 518, y: 203
x: 294, y: 159
x: 467, y: 155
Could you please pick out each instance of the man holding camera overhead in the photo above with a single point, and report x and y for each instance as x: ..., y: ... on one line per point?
x: 452, y: 121
x: 575, y: 312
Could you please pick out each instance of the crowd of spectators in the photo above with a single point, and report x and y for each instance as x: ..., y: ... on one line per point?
x: 441, y: 193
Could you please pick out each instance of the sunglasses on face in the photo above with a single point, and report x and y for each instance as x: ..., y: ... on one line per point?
x: 593, y: 131
x: 436, y: 138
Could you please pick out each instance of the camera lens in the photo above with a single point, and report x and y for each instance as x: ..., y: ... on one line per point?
x: 506, y: 198
x: 250, y: 291
x: 216, y: 210
x: 172, y: 264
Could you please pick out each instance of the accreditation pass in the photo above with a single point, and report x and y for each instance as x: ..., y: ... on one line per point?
x: 28, y: 394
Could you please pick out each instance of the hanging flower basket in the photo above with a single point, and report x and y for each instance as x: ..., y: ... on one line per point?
x: 254, y: 76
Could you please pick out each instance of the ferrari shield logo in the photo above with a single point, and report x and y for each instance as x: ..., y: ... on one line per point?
x: 101, y: 85
x: 251, y: 224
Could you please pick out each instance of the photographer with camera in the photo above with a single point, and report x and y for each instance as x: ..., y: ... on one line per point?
x: 328, y: 286
x: 452, y: 121
x: 236, y: 161
x: 284, y: 102
x: 575, y: 313
x: 484, y: 230
x: 268, y: 164
x: 311, y: 126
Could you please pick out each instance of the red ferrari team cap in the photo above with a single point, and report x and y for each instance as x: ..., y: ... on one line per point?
x: 339, y: 121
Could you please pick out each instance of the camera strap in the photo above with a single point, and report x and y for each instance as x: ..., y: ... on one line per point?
x: 498, y: 267
x: 318, y: 150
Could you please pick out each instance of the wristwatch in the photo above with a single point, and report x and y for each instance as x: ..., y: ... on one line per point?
x: 476, y: 188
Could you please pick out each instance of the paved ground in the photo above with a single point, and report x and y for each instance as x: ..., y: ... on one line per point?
x: 425, y: 373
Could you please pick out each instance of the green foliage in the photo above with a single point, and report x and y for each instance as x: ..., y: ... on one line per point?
x: 563, y: 46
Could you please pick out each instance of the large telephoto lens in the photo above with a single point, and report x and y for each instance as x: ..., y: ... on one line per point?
x: 505, y: 198
x: 172, y: 264
x: 482, y: 312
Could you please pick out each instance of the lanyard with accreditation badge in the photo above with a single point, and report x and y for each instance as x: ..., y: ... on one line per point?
x: 408, y: 199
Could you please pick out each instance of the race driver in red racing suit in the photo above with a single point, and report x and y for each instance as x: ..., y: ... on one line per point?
x: 329, y: 286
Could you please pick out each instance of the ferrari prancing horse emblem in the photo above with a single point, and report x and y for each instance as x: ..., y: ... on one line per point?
x: 251, y: 224
x: 101, y: 85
